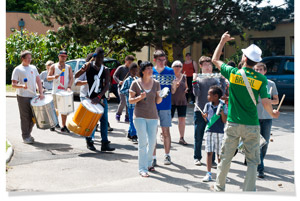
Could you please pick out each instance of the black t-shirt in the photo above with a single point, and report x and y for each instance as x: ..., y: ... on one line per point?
x: 90, y: 74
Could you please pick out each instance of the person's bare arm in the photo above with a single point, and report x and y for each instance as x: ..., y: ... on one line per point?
x: 70, y: 79
x: 195, y: 67
x: 16, y: 85
x: 83, y: 69
x: 275, y: 100
x: 133, y: 99
x: 218, y: 51
x: 80, y: 82
x: 40, y: 87
x: 51, y: 75
x: 268, y: 107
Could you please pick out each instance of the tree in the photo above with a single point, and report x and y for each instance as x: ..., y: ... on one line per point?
x: 20, y: 5
x: 150, y: 22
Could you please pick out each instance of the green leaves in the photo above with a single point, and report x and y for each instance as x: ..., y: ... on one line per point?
x: 46, y: 47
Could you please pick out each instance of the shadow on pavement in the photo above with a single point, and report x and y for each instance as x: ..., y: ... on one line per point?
x: 109, y: 156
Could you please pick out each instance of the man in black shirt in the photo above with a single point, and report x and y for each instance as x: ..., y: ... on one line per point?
x: 96, y: 71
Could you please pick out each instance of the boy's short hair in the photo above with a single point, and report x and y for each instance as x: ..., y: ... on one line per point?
x: 188, y: 54
x: 231, y: 63
x: 216, y: 90
x: 251, y: 63
x: 133, y: 66
x: 129, y: 58
x: 159, y: 53
x: 262, y: 65
x: 24, y: 53
x: 204, y: 59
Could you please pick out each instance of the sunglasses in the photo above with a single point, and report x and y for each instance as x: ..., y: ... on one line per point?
x: 178, y: 66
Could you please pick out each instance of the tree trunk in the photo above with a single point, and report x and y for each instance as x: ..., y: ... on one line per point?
x: 177, y: 52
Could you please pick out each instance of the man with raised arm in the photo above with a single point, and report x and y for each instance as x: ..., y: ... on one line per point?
x: 242, y: 120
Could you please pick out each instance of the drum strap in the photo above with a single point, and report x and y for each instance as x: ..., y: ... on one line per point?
x: 248, y: 85
x: 96, y: 84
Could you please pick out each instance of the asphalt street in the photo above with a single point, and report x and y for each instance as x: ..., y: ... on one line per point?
x: 59, y: 162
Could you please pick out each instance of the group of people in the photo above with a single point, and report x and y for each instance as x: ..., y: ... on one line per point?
x: 154, y: 93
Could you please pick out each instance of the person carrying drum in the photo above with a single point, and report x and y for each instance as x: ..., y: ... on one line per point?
x: 24, y: 78
x: 242, y: 120
x: 61, y: 75
x: 96, y: 72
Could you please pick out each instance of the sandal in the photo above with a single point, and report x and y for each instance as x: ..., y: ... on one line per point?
x: 151, y: 169
x: 144, y: 174
x: 181, y: 141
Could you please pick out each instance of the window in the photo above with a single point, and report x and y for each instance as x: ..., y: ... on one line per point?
x: 270, y: 46
x: 80, y: 64
x: 288, y: 67
x: 272, y: 66
x: 72, y: 64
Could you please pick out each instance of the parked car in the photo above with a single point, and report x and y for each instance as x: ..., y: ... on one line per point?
x: 280, y: 69
x: 76, y: 64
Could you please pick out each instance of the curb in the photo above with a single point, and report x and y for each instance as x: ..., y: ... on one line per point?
x: 9, y: 152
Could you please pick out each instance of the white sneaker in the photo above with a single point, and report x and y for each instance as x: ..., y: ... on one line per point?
x: 28, y: 140
x: 167, y: 160
x: 197, y: 162
x: 207, y: 177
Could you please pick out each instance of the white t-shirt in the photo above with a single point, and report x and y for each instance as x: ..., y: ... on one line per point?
x: 84, y: 89
x: 30, y: 72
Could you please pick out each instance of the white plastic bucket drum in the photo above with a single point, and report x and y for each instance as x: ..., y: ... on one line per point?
x: 65, y: 102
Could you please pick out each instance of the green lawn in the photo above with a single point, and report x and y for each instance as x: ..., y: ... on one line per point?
x: 9, y: 88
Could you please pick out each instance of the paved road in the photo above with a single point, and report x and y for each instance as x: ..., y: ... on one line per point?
x: 59, y: 162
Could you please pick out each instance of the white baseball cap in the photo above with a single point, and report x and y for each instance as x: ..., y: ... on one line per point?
x: 253, y: 52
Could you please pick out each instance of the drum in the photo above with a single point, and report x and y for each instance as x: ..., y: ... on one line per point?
x: 85, y: 118
x: 65, y: 102
x: 44, y: 112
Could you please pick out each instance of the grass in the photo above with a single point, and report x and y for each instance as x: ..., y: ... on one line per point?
x: 9, y: 88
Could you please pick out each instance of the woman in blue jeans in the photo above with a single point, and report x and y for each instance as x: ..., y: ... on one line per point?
x: 144, y: 92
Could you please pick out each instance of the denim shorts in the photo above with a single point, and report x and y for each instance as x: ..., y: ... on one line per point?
x: 165, y: 118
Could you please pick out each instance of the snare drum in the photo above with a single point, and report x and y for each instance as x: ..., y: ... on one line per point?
x: 65, y: 102
x: 85, y: 118
x: 44, y: 112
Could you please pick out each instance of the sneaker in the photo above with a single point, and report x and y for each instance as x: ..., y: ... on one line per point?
x: 134, y: 139
x: 261, y: 175
x: 207, y: 177
x: 52, y: 129
x: 90, y: 145
x: 154, y: 164
x: 65, y: 129
x: 57, y: 126
x: 197, y: 162
x: 167, y: 160
x: 118, y: 117
x: 28, y: 140
x: 214, y: 165
x: 109, y: 129
x: 126, y: 119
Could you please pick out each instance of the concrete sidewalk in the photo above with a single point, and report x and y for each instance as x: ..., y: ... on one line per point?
x: 59, y: 162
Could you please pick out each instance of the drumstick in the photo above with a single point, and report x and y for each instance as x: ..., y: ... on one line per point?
x: 200, y: 110
x: 25, y: 82
x: 280, y: 102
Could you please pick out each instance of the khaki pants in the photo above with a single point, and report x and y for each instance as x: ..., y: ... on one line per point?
x: 25, y: 116
x: 250, y: 136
